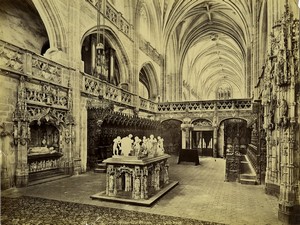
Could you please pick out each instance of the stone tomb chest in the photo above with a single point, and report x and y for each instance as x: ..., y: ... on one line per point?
x: 130, y: 179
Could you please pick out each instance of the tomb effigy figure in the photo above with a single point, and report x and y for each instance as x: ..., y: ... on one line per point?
x: 126, y: 145
x: 137, y: 146
x: 117, y: 146
x: 160, y: 146
x: 152, y: 145
x: 144, y: 146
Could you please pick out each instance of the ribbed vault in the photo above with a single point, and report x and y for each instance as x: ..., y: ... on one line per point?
x: 210, y: 40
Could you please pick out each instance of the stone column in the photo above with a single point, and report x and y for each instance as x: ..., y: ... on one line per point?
x: 215, y: 142
x: 21, y: 135
x: 186, y: 127
x: 22, y: 167
x: 215, y: 132
x: 112, y: 64
x: 183, y: 140
x: 93, y: 56
x: 111, y: 183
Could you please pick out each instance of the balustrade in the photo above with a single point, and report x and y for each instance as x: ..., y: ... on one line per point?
x: 92, y: 86
x: 234, y: 104
x: 46, y: 69
x: 114, y: 17
x: 126, y: 97
x: 149, y: 50
x: 112, y: 92
x: 147, y: 104
x: 12, y: 58
x: 26, y: 63
x: 253, y: 156
x: 17, y: 60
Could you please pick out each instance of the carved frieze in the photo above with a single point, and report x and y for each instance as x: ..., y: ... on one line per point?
x: 202, y: 123
x: 46, y: 70
x: 11, y: 58
x: 43, y: 165
x: 47, y: 95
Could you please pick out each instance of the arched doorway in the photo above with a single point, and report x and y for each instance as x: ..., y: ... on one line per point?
x: 202, y: 137
x: 234, y: 135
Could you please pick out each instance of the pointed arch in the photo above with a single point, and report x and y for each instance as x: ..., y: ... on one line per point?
x: 53, y: 23
x: 149, y: 11
x: 121, y: 54
x: 148, y: 76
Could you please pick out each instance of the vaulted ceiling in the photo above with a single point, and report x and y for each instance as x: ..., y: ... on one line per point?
x: 211, y: 41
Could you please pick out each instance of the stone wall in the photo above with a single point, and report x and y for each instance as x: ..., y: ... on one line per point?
x: 22, y: 25
x: 8, y: 99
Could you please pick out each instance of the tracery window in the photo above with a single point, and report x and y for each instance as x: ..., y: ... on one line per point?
x: 224, y: 92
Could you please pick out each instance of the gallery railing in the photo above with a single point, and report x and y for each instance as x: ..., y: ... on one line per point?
x: 209, y: 105
x: 114, y: 17
x: 150, y: 51
x: 97, y: 87
x: 23, y: 62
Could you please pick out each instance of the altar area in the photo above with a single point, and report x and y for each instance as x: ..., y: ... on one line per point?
x: 137, y: 175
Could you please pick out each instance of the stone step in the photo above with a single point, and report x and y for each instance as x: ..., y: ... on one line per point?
x: 248, y: 176
x: 101, y: 165
x: 248, y: 181
x: 47, y: 179
x: 44, y: 174
x: 246, y: 167
x: 100, y: 170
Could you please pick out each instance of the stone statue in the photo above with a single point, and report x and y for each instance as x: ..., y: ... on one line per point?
x: 136, y: 145
x: 266, y: 95
x: 111, y: 183
x: 144, y: 146
x: 152, y: 145
x: 117, y: 146
x: 137, y: 185
x: 283, y: 110
x: 126, y: 145
x: 160, y: 146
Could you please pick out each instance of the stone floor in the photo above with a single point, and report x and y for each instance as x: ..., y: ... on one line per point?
x: 201, y: 194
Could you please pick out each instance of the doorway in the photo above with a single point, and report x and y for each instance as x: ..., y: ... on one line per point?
x: 203, y: 142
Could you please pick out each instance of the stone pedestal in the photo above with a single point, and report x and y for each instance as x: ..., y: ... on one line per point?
x: 289, y: 214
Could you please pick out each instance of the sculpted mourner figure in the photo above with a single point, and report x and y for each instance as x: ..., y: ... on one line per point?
x: 141, y: 148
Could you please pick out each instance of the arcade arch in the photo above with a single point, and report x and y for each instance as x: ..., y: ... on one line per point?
x: 148, y: 83
x: 116, y: 58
